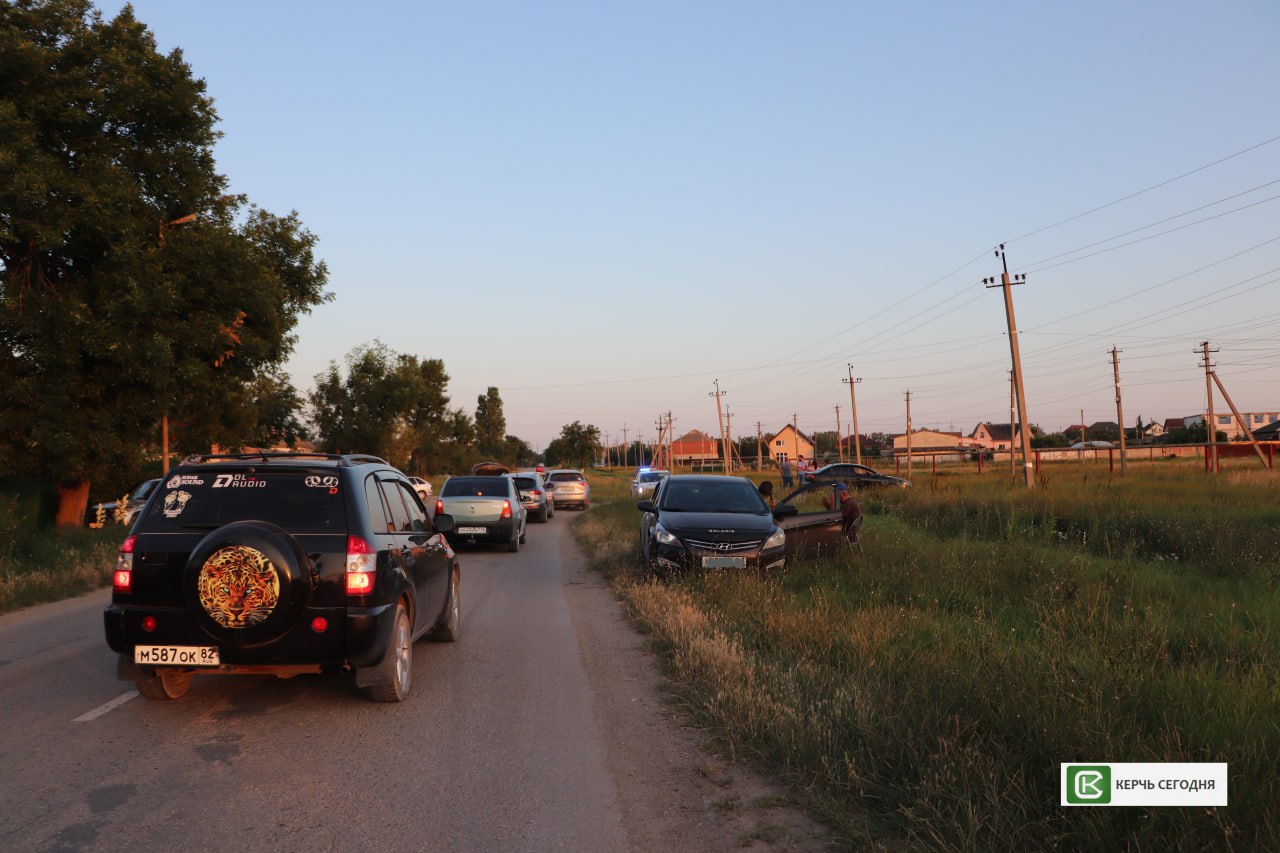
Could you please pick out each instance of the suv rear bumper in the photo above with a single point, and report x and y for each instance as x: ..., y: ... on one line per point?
x: 355, y: 636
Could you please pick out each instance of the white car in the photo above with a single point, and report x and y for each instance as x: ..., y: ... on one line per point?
x: 422, y: 487
x: 647, y: 480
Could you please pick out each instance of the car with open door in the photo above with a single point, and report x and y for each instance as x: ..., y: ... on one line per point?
x: 816, y: 519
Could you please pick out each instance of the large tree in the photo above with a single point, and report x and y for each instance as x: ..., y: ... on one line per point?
x: 491, y: 423
x: 577, y: 445
x: 391, y: 405
x: 132, y: 286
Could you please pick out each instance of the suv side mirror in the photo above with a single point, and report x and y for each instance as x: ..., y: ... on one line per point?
x: 644, y: 506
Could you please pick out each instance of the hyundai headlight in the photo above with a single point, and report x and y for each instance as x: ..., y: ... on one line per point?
x: 777, y: 540
x: 664, y: 536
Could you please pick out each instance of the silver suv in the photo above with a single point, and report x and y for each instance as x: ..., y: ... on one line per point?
x: 570, y: 488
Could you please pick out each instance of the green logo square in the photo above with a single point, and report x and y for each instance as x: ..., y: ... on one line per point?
x: 1089, y: 785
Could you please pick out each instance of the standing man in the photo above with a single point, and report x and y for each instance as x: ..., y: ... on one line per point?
x: 787, y: 482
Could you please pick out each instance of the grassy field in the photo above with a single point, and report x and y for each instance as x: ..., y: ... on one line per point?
x: 40, y: 566
x: 927, y: 691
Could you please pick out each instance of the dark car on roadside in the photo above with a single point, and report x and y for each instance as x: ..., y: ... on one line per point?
x: 854, y: 475
x: 133, y: 504
x: 281, y: 564
x: 707, y: 521
x: 539, y: 501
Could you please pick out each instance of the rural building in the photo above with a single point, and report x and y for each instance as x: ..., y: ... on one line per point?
x: 934, y: 441
x: 1270, y: 432
x: 995, y: 436
x: 790, y: 443
x: 1236, y: 430
x: 695, y: 448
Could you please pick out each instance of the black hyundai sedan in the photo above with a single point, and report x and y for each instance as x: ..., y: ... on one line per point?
x: 700, y: 521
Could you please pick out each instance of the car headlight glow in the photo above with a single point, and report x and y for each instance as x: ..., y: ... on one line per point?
x: 777, y: 540
x: 664, y: 536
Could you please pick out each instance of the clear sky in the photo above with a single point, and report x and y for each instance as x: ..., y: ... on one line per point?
x: 601, y: 208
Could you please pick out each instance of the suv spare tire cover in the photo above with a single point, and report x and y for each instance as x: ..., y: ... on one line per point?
x: 246, y: 583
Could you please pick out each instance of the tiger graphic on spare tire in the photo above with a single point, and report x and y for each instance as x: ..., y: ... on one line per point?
x: 238, y: 586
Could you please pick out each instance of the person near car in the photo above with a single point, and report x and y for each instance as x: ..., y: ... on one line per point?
x: 787, y: 482
x: 766, y: 492
x: 850, y: 509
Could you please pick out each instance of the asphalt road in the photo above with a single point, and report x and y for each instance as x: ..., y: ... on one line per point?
x: 540, y: 729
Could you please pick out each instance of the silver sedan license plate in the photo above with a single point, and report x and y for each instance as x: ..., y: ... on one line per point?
x: 176, y: 655
x: 472, y: 530
x: 724, y: 562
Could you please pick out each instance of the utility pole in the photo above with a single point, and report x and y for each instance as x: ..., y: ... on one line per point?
x: 1240, y: 420
x: 724, y: 444
x: 853, y: 407
x: 1210, y: 428
x: 759, y: 446
x: 1115, y: 368
x: 671, y: 440
x: 839, y: 443
x: 1082, y: 436
x: 1013, y: 472
x: 1006, y: 285
x: 908, y: 434
x: 728, y: 433
x: 625, y: 448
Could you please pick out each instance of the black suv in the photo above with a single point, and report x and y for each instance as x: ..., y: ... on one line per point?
x: 281, y: 563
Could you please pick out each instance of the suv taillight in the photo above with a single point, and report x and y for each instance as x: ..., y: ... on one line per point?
x: 506, y: 509
x: 537, y: 493
x: 439, y: 507
x: 362, y: 563
x: 122, y: 579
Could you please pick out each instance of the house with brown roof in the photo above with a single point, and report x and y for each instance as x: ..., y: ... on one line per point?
x: 934, y: 441
x: 790, y: 443
x: 694, y: 448
x: 996, y: 436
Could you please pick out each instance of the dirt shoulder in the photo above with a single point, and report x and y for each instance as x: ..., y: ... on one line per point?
x: 673, y: 793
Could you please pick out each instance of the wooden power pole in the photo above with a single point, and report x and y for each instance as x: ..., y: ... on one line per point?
x: 908, y: 434
x: 853, y: 408
x: 1006, y: 284
x: 1115, y: 368
x: 1210, y: 426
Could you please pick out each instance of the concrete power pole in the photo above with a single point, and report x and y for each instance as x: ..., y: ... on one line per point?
x: 853, y: 407
x: 724, y: 442
x: 839, y: 443
x: 625, y: 448
x: 759, y: 446
x: 1025, y: 428
x: 1115, y: 368
x: 1013, y: 472
x: 908, y: 434
x: 1082, y: 435
x: 1210, y: 426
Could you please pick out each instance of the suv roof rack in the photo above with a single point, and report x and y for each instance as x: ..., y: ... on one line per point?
x: 267, y: 456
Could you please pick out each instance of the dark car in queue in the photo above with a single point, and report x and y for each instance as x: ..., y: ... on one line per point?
x: 281, y: 564
x: 853, y: 475
x: 707, y: 521
x: 484, y: 509
x: 571, y: 487
x: 539, y: 501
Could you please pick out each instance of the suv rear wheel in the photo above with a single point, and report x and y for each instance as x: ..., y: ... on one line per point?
x: 449, y: 625
x: 396, y: 669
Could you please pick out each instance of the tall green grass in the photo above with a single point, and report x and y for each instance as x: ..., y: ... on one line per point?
x: 40, y: 565
x: 928, y: 690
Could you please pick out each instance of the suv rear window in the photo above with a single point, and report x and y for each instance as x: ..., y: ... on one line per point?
x: 525, y: 482
x: 301, y: 501
x: 485, y: 487
x: 567, y: 477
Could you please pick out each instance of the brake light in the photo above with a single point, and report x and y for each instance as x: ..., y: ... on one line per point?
x: 439, y: 507
x: 537, y: 493
x: 362, y: 562
x: 506, y: 509
x: 122, y: 578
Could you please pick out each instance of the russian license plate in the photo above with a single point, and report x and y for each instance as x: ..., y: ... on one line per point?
x: 176, y: 655
x: 472, y: 530
x: 724, y: 562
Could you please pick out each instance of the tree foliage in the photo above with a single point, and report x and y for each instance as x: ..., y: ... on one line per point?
x: 391, y: 405
x: 577, y: 446
x: 131, y: 285
x: 491, y: 423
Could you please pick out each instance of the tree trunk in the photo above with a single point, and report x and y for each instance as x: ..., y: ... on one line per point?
x: 73, y: 499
